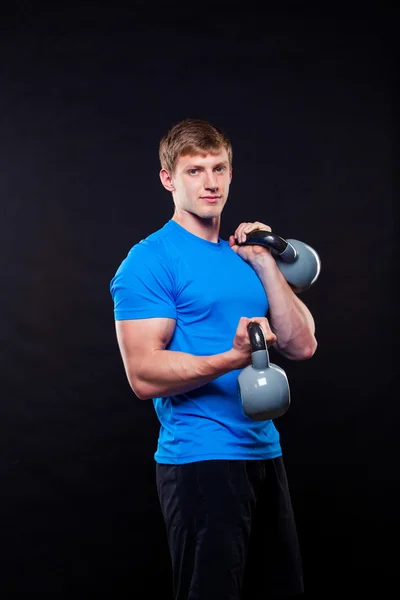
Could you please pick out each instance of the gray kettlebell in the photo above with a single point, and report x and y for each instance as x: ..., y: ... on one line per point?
x: 298, y: 262
x: 263, y: 387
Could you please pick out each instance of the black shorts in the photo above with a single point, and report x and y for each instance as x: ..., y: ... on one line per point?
x: 231, y: 529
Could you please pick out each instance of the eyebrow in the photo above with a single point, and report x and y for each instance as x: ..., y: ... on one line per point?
x: 220, y: 164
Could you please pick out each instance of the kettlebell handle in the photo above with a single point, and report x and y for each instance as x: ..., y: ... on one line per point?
x: 259, y: 351
x: 278, y: 245
x: 256, y: 336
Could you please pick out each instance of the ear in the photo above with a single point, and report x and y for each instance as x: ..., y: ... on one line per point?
x: 166, y: 180
x: 230, y: 174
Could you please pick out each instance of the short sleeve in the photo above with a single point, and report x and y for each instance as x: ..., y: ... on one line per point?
x: 143, y: 286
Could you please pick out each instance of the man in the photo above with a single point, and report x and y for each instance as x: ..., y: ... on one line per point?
x: 183, y: 298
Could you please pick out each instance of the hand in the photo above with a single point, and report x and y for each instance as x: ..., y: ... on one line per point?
x: 241, y: 342
x: 250, y: 254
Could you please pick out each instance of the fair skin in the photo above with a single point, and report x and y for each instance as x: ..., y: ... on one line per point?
x: 200, y: 186
x: 290, y: 318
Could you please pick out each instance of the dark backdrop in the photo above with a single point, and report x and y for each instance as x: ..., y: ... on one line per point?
x: 85, y: 95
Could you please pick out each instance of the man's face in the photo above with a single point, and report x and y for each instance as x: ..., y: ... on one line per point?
x: 201, y: 183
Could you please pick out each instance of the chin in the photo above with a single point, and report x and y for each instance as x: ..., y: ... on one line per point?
x: 210, y: 213
x: 208, y: 216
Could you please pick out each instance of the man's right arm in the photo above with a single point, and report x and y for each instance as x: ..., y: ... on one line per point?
x: 153, y: 371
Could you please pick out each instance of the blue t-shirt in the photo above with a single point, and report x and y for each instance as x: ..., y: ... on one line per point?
x: 206, y: 288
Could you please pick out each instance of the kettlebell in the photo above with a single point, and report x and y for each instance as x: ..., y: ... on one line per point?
x: 263, y: 387
x: 298, y: 262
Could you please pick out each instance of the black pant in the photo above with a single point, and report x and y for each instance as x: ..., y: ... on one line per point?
x: 231, y: 529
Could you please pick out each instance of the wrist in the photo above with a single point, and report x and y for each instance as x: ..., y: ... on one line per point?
x: 237, y: 359
x: 263, y: 261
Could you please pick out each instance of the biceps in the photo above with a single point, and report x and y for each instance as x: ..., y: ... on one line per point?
x: 139, y: 338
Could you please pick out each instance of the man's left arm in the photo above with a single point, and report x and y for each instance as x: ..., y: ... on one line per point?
x: 289, y: 317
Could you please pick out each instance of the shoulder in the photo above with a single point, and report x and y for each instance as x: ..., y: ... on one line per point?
x: 150, y: 250
x: 150, y: 262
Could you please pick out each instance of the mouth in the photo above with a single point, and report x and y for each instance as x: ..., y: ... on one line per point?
x: 211, y: 199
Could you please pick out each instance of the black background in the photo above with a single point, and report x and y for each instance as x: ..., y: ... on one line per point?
x: 85, y: 95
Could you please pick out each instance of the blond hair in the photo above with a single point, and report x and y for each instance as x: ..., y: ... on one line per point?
x: 191, y: 136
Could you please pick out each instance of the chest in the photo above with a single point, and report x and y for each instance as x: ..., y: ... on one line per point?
x: 218, y: 287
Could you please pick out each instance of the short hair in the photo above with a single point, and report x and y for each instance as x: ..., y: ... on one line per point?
x: 191, y: 136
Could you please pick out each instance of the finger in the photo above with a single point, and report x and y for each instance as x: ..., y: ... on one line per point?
x: 269, y: 336
x: 244, y: 229
x: 239, y: 232
x: 266, y: 326
x: 262, y: 226
x: 242, y: 328
x: 271, y: 339
x: 253, y: 227
x: 233, y: 244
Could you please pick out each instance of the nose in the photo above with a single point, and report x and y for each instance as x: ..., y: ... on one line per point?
x: 211, y: 182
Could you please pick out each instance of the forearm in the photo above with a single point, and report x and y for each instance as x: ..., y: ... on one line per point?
x: 166, y: 372
x: 289, y: 317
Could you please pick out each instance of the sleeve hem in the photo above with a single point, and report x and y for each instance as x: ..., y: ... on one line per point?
x: 124, y: 315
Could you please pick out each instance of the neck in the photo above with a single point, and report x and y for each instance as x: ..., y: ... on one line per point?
x: 208, y: 229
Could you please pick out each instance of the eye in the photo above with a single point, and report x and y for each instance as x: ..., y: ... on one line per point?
x: 220, y: 169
